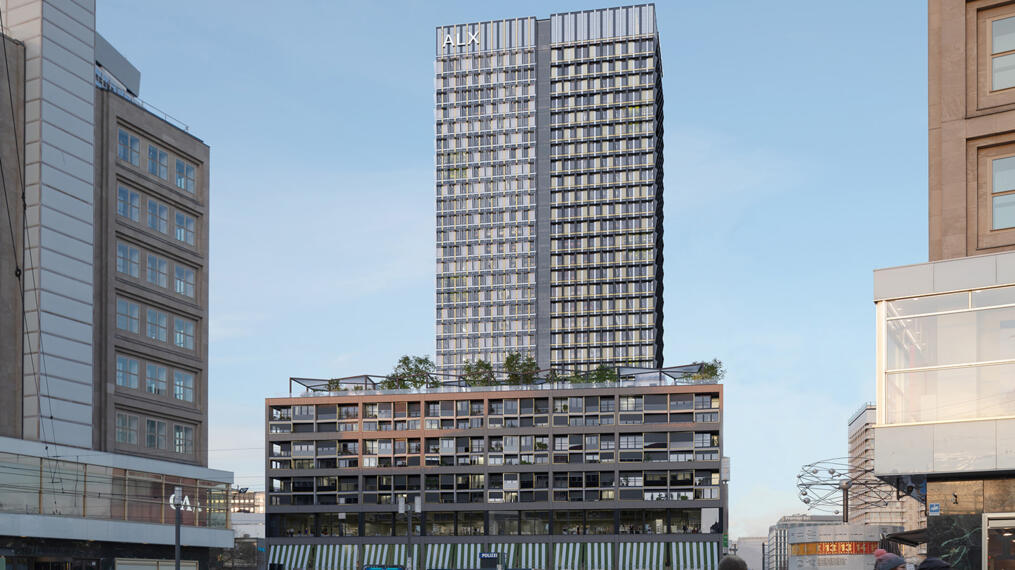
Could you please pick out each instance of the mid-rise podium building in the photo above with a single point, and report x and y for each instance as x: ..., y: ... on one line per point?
x: 615, y: 476
x: 549, y: 190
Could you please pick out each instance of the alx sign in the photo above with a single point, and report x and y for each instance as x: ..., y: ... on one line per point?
x: 450, y: 40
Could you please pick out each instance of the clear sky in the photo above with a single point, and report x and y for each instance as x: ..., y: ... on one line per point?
x: 795, y: 164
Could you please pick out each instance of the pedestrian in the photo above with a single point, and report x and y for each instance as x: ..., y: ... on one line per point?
x: 732, y: 562
x: 891, y: 562
x: 933, y: 563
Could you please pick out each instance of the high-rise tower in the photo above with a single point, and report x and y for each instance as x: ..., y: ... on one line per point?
x: 549, y: 189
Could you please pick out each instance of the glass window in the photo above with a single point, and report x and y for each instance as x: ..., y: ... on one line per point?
x: 158, y: 162
x: 156, y: 434
x: 953, y: 338
x: 126, y: 371
x: 1003, y: 41
x: 183, y: 386
x: 128, y: 148
x: 1003, y: 212
x: 128, y: 316
x: 185, y: 176
x: 185, y: 227
x: 128, y: 260
x: 128, y: 204
x: 158, y: 271
x: 156, y: 379
x: 126, y: 429
x: 158, y: 216
x: 157, y: 325
x: 183, y: 439
x: 942, y: 395
x: 183, y: 333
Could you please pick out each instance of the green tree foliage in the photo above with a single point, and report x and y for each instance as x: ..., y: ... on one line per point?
x: 602, y: 373
x: 410, y: 372
x: 520, y: 369
x: 479, y: 373
x: 713, y: 370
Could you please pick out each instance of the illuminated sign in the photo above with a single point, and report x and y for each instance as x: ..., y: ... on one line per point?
x: 830, y: 548
x: 452, y: 41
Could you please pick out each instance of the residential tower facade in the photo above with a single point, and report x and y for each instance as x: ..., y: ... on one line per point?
x: 549, y: 189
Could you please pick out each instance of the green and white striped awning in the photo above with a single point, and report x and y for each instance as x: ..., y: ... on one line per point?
x: 290, y: 556
x: 695, y: 556
x: 398, y: 555
x: 438, y: 556
x: 376, y: 554
x: 468, y: 555
x: 600, y: 556
x: 335, y: 557
x: 532, y: 556
x: 642, y: 555
x: 567, y: 556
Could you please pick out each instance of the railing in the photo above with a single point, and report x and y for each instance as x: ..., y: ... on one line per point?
x: 510, y: 388
x: 106, y: 83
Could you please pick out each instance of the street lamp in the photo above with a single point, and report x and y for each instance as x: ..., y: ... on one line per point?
x: 178, y: 506
x: 407, y: 508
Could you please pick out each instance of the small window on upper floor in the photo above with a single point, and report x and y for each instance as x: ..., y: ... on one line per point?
x: 185, y: 176
x: 1003, y: 192
x: 158, y: 162
x: 185, y: 227
x: 1002, y: 53
x: 128, y: 148
x: 128, y: 204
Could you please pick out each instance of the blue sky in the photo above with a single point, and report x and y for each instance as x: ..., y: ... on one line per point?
x: 795, y: 158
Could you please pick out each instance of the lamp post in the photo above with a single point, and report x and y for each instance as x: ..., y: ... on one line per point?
x: 178, y: 506
x: 407, y: 508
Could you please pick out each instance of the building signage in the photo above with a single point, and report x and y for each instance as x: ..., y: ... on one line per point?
x: 493, y: 555
x: 452, y: 41
x: 933, y: 509
x: 832, y: 548
x: 185, y: 503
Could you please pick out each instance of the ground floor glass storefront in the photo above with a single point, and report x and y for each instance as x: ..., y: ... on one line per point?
x: 976, y: 527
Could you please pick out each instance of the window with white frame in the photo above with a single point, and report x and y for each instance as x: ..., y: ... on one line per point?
x: 128, y: 148
x: 128, y: 316
x: 185, y: 226
x: 183, y: 386
x: 158, y: 271
x: 128, y: 260
x: 158, y: 216
x: 126, y: 371
x: 156, y: 379
x: 158, y: 162
x: 185, y: 281
x: 185, y: 176
x: 128, y: 204
x: 126, y: 428
x: 183, y: 333
x: 157, y: 325
x: 156, y: 434
x: 183, y: 439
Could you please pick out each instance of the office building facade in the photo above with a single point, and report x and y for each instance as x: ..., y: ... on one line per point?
x: 549, y: 190
x: 110, y: 407
x: 777, y: 549
x: 945, y: 356
x: 589, y: 477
